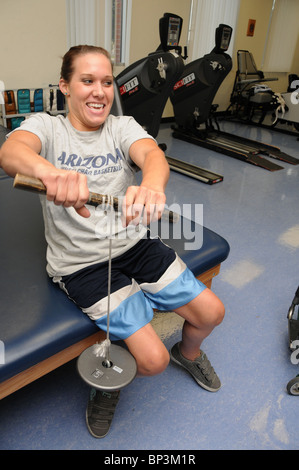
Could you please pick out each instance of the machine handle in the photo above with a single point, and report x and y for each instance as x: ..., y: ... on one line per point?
x: 35, y: 185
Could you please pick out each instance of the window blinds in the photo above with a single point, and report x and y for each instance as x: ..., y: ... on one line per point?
x: 205, y: 16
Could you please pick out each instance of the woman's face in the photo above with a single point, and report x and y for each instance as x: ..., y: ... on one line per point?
x: 90, y: 91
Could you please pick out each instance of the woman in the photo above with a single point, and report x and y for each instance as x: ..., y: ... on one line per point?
x: 103, y: 152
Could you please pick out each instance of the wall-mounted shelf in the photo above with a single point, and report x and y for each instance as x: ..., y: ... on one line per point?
x: 49, y: 104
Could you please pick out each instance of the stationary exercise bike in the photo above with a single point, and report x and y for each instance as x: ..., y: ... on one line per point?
x: 192, y: 96
x: 195, y: 114
x: 146, y: 85
x: 293, y: 329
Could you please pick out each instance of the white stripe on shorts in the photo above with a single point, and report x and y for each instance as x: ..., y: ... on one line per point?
x: 176, y: 268
x: 99, y: 309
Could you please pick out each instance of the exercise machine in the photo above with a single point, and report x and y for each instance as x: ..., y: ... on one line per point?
x: 250, y: 93
x: 192, y: 100
x: 145, y: 87
x: 253, y: 101
x: 288, y: 111
x: 293, y: 329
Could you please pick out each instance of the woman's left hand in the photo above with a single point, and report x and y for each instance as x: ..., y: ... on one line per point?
x: 142, y: 205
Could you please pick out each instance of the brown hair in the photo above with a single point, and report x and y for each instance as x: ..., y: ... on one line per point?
x: 67, y: 68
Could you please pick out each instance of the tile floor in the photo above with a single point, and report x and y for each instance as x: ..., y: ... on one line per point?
x: 258, y: 213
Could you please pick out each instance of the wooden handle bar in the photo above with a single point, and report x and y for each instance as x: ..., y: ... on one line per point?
x: 35, y: 185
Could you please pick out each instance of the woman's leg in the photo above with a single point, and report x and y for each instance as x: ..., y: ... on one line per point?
x: 150, y: 353
x: 201, y: 315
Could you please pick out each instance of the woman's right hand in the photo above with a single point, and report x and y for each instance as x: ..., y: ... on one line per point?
x: 67, y: 189
x: 21, y: 154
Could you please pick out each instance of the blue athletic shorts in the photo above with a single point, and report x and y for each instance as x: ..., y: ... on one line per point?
x: 148, y: 276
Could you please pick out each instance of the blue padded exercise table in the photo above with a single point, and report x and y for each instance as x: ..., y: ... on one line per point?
x: 40, y: 328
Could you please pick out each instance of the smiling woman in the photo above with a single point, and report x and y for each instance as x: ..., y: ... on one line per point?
x: 104, y: 152
x: 87, y: 82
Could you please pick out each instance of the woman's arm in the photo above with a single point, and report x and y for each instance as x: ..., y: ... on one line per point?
x: 149, y: 197
x: 20, y: 154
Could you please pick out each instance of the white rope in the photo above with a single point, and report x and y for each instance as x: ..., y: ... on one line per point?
x: 280, y: 108
x: 103, y: 349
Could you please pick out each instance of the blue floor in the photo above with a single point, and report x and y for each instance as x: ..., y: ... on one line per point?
x: 258, y: 213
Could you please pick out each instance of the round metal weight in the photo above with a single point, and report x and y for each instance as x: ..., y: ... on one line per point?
x: 95, y: 371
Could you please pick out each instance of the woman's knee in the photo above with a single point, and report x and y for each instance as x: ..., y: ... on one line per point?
x: 214, y: 315
x: 154, y: 363
x: 219, y: 312
x: 150, y: 353
x: 206, y: 310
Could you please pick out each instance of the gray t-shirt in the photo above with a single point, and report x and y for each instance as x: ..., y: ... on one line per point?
x: 75, y: 242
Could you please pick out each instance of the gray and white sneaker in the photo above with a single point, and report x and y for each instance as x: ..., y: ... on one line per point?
x: 200, y: 369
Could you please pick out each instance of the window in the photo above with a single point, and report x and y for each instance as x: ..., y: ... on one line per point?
x: 103, y: 23
x: 205, y: 16
x: 120, y: 31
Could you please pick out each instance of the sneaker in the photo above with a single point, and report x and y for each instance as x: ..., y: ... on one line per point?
x: 100, y: 411
x: 200, y: 369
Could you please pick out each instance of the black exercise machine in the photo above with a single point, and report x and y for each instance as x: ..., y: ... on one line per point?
x: 250, y: 94
x: 146, y: 85
x: 251, y: 98
x: 192, y: 100
x: 293, y: 329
